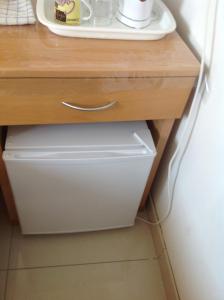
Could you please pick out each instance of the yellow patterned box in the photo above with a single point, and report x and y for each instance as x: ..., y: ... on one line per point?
x: 68, y: 11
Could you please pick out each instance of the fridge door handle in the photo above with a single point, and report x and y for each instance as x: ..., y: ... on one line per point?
x: 76, y: 156
x: 90, y: 108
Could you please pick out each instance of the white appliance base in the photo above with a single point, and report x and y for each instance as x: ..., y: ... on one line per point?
x: 132, y: 23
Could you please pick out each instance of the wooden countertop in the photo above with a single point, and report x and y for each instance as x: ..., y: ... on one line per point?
x: 33, y: 51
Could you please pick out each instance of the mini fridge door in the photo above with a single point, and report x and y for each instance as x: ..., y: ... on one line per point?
x: 60, y: 192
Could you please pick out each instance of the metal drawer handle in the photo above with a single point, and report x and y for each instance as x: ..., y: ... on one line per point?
x: 90, y: 108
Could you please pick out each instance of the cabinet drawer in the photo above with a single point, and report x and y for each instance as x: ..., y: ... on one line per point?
x: 40, y: 101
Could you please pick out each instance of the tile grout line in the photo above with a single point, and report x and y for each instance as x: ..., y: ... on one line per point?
x: 8, y: 264
x: 80, y: 264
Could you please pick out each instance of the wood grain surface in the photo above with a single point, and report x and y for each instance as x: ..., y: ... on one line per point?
x: 39, y: 101
x: 33, y: 51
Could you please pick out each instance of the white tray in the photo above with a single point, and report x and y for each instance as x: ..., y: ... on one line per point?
x: 163, y: 24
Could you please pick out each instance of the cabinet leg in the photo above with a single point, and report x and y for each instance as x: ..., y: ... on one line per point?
x: 160, y: 130
x: 7, y: 192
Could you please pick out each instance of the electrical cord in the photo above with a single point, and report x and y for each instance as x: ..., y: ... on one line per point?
x: 202, y: 84
x: 153, y: 223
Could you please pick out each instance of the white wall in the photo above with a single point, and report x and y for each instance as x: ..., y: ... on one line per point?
x: 194, y: 233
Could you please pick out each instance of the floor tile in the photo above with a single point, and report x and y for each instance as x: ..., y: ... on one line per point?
x: 121, y: 281
x: 2, y: 284
x: 103, y: 246
x: 5, y: 236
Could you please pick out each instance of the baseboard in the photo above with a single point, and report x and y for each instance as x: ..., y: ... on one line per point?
x: 163, y: 259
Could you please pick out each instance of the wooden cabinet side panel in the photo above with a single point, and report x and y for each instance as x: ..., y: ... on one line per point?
x: 161, y: 130
x: 7, y: 191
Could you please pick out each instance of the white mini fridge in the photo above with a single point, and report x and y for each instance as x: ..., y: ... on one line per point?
x: 75, y: 178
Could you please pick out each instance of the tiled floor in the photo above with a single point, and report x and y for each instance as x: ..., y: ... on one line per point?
x: 112, y: 265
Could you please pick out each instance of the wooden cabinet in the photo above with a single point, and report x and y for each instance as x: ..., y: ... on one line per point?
x: 142, y: 80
